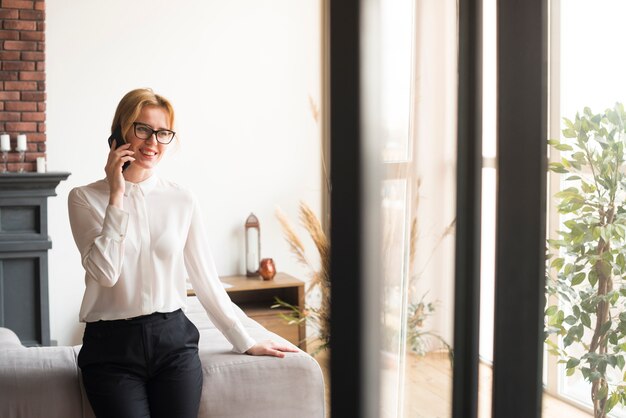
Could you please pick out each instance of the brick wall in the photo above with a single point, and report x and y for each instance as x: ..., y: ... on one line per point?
x: 23, y: 77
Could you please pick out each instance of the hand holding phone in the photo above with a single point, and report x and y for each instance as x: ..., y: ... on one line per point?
x: 117, y: 155
x: 119, y: 141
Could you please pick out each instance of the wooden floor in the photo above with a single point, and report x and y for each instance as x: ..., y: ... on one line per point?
x: 429, y: 388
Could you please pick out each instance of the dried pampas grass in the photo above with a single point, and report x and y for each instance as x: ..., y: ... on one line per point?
x: 319, y: 317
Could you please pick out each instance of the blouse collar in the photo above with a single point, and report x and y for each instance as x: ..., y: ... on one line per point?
x: 145, y: 186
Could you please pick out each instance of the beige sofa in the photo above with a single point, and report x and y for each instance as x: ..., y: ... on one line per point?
x: 40, y: 382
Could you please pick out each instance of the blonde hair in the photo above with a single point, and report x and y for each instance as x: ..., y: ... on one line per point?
x: 133, y: 102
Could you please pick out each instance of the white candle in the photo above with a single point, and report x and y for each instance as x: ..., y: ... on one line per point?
x: 252, y: 262
x: 41, y: 165
x: 21, y: 142
x: 5, y: 142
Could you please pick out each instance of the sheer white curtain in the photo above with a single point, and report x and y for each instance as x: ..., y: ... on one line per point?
x: 419, y: 105
x: 434, y: 155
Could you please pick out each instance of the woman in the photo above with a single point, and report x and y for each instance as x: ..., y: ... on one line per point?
x: 140, y: 237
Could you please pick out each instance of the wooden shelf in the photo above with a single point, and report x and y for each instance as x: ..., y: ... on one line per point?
x: 255, y: 297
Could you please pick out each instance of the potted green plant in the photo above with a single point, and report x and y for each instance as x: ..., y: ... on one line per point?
x: 587, y: 262
x: 419, y: 338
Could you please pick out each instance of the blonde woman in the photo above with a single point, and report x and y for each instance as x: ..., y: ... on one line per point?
x: 140, y: 237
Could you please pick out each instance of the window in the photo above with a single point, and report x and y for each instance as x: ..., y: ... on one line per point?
x: 585, y: 71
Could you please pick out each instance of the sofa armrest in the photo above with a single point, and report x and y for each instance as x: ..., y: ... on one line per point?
x: 8, y: 339
x: 39, y: 382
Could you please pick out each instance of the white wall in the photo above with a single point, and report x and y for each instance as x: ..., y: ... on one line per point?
x: 239, y: 74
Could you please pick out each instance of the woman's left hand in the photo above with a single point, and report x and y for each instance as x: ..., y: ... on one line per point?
x: 271, y: 348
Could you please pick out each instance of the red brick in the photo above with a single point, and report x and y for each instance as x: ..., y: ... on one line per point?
x: 9, y: 95
x: 33, y: 96
x: 2, y: 127
x: 34, y: 117
x: 9, y: 34
x: 9, y: 55
x: 30, y: 147
x: 40, y: 5
x: 32, y: 36
x: 32, y: 156
x: 36, y: 137
x: 9, y: 14
x: 32, y: 76
x: 41, y: 127
x: 18, y: 65
x: 20, y: 24
x: 41, y: 26
x: 41, y: 107
x: 33, y: 56
x: 20, y: 85
x: 8, y: 75
x: 1, y: 109
x: 13, y: 156
x: 17, y: 4
x: 41, y: 85
x: 41, y: 66
x: 32, y: 14
x: 21, y: 126
x: 22, y: 106
x: 41, y: 46
x: 9, y: 116
x: 41, y: 147
x: 20, y: 45
x: 28, y: 167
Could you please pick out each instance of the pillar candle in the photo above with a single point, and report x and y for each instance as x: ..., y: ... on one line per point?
x: 41, y: 165
x: 252, y: 252
x: 21, y: 142
x: 5, y: 142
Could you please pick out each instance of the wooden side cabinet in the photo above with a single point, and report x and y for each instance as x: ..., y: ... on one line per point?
x: 255, y: 297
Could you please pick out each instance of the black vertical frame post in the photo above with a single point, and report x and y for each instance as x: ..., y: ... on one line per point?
x: 521, y: 207
x: 468, y: 212
x: 345, y: 236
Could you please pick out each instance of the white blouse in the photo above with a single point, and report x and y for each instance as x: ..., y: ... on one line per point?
x: 137, y: 260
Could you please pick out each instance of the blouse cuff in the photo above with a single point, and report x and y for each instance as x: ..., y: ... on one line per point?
x: 239, y: 338
x: 115, y: 223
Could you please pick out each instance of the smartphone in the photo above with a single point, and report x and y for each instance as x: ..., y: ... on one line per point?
x: 119, y: 141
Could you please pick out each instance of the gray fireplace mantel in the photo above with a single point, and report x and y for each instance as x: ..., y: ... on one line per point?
x: 24, y: 245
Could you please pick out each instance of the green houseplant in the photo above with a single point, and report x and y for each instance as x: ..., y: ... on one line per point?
x: 419, y: 339
x: 587, y: 263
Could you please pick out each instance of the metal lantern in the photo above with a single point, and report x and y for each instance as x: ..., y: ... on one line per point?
x: 253, y: 246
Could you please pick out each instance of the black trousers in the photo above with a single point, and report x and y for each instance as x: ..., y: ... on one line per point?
x: 147, y: 367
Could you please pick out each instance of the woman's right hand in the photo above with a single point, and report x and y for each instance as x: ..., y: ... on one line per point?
x: 117, y: 185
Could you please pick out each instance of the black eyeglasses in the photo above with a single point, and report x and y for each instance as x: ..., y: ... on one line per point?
x: 143, y: 131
